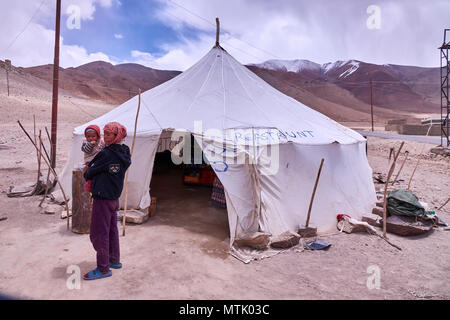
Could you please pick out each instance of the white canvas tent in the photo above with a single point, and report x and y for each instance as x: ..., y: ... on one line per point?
x: 227, y: 107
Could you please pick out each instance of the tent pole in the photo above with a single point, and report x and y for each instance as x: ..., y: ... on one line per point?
x: 313, y: 194
x: 126, y: 175
x: 217, y: 31
x: 371, y: 103
x: 255, y: 166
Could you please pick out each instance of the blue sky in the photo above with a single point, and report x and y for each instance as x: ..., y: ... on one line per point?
x: 174, y: 34
x: 133, y: 20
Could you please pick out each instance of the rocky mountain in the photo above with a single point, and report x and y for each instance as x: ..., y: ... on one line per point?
x: 341, y: 89
x: 399, y: 89
x: 103, y: 81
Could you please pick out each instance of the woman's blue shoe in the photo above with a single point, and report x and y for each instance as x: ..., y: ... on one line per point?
x: 115, y: 265
x: 96, y: 274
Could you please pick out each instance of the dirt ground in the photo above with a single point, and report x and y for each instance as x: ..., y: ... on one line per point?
x: 182, y: 252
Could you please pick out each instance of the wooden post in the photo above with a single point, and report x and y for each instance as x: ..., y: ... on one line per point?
x: 81, y: 204
x: 39, y: 159
x: 55, y: 86
x: 313, y: 194
x: 7, y: 80
x: 126, y: 175
x: 7, y: 68
x: 217, y: 31
x: 371, y: 103
x: 391, y: 170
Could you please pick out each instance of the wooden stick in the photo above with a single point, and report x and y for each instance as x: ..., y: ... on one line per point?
x: 126, y: 175
x: 48, y: 172
x: 400, y: 170
x: 39, y: 160
x: 448, y: 200
x: 34, y: 128
x: 50, y: 145
x: 418, y: 160
x: 46, y: 188
x: 35, y: 140
x: 414, y: 171
x: 47, y: 161
x: 314, y: 192
x: 391, y: 151
x: 391, y: 170
x: 385, y: 239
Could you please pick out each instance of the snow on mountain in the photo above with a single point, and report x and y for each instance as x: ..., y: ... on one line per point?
x: 354, y: 66
x: 326, y: 67
x: 288, y: 65
x: 331, y: 66
x: 301, y: 65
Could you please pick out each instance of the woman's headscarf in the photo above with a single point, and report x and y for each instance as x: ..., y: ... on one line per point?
x: 119, y: 130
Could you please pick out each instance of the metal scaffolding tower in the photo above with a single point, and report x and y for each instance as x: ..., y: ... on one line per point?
x: 445, y: 103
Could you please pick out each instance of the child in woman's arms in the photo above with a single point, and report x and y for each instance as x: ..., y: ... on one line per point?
x: 91, y: 147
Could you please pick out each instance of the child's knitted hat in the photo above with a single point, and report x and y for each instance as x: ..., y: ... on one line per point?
x: 92, y: 127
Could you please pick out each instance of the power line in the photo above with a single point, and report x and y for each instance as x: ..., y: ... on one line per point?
x: 361, y: 84
x: 26, y: 26
x: 223, y: 29
x: 226, y: 42
x: 81, y: 109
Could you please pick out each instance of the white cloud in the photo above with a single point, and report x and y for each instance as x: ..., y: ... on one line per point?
x: 179, y: 56
x: 73, y: 55
x: 35, y: 44
x: 321, y: 31
x: 87, y: 7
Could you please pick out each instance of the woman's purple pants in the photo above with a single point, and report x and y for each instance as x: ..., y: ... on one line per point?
x: 104, y: 234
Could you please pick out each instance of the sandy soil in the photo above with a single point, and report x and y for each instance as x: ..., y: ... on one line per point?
x: 182, y: 252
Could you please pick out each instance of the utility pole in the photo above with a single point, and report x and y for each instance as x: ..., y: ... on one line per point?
x: 55, y: 84
x: 7, y: 68
x: 371, y: 103
x: 445, y: 93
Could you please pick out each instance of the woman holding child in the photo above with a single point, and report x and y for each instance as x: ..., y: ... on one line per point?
x: 107, y: 171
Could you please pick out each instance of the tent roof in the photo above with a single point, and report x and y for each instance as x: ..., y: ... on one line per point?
x: 223, y: 94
